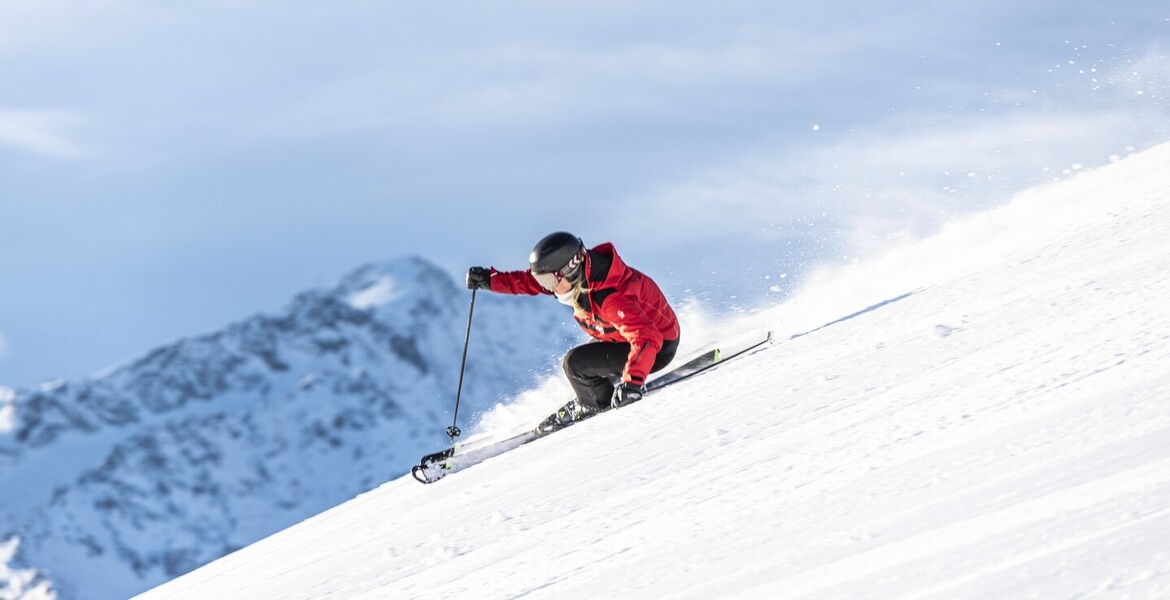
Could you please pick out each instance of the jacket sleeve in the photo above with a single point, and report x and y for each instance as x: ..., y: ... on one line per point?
x: 645, y: 340
x: 515, y: 282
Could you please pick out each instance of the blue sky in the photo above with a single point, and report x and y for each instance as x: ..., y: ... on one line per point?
x: 167, y: 168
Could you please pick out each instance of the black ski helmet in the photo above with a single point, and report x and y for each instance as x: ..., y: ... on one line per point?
x: 554, y: 253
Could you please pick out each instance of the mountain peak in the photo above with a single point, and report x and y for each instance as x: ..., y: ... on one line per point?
x: 206, y: 444
x: 377, y: 284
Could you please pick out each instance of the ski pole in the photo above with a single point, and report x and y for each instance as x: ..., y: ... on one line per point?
x: 453, y: 431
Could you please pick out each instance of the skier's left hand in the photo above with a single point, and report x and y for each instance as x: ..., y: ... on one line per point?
x: 625, y: 394
x: 479, y: 277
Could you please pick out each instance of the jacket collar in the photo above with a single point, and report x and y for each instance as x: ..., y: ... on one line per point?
x: 604, y: 268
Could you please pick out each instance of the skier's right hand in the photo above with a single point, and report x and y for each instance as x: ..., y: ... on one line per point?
x: 626, y: 394
x: 479, y: 277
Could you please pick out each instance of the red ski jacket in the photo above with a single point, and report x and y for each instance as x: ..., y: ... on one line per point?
x: 621, y: 305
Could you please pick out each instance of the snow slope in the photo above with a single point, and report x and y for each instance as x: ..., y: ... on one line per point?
x: 979, y: 415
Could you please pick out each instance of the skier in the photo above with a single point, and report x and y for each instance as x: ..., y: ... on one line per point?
x: 634, y: 328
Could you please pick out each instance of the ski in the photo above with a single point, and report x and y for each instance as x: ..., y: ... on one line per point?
x: 434, y: 467
x: 437, y: 465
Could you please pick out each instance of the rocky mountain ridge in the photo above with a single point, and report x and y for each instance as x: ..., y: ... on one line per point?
x: 116, y: 483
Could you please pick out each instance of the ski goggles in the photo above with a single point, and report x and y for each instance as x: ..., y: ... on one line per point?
x: 550, y: 280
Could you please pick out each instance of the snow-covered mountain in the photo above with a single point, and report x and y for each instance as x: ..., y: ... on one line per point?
x: 113, y: 484
x: 984, y: 414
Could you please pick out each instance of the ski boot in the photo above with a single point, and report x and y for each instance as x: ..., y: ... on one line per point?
x: 566, y: 415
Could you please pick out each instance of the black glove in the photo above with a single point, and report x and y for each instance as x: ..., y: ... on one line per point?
x: 625, y: 394
x: 479, y: 277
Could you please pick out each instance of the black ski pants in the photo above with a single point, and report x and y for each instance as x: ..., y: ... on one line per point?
x: 594, y: 368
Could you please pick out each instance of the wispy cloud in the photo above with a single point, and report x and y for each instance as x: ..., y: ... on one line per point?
x: 466, y: 78
x: 42, y: 132
x: 901, y: 178
x: 531, y: 86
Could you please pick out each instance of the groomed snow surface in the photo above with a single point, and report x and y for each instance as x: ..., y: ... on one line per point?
x: 984, y: 414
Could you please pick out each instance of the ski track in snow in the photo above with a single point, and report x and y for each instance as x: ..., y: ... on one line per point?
x: 1003, y: 431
